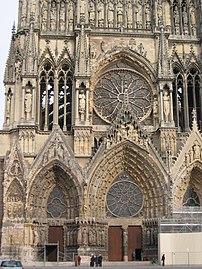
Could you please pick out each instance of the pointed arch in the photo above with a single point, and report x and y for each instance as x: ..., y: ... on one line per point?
x: 54, y: 185
x: 191, y: 177
x: 65, y: 84
x: 126, y: 157
x: 14, y: 201
x: 47, y: 95
x: 186, y: 95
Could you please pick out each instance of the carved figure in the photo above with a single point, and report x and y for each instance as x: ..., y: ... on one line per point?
x: 35, y: 237
x: 129, y: 12
x: 62, y: 16
x: 92, y: 13
x: 166, y: 105
x: 53, y: 16
x: 82, y: 104
x: 28, y: 102
x: 110, y: 14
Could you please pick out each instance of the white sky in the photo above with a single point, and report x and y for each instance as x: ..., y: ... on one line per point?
x: 8, y: 14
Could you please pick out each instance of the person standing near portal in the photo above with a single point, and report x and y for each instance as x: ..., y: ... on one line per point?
x: 163, y: 259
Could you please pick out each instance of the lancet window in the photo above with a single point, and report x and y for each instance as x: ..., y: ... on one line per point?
x: 55, y: 97
x: 183, y: 14
x: 186, y: 97
x: 65, y: 97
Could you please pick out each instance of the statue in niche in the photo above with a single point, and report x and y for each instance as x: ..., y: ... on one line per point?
x: 28, y: 103
x: 110, y: 15
x: 192, y: 19
x: 8, y: 106
x: 18, y: 66
x: 185, y: 20
x: 24, y: 13
x: 138, y: 12
x: 129, y: 14
x: 197, y: 150
x: 92, y: 13
x: 166, y: 105
x: 100, y: 14
x: 53, y: 17
x: 44, y: 12
x: 85, y: 237
x: 176, y: 20
x: 71, y: 15
x: 148, y: 15
x: 82, y: 104
x: 62, y: 16
x: 119, y: 14
x: 35, y: 236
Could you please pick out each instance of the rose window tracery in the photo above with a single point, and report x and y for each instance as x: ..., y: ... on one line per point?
x: 120, y: 87
x: 124, y: 199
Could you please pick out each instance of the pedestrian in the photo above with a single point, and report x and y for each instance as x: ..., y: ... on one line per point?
x: 96, y: 260
x: 92, y: 260
x: 100, y: 260
x: 79, y: 260
x: 163, y: 259
x: 75, y: 259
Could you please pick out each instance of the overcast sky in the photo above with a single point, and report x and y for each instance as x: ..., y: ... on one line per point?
x: 8, y: 14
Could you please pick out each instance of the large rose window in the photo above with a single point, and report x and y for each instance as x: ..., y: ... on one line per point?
x: 120, y: 87
x: 124, y: 199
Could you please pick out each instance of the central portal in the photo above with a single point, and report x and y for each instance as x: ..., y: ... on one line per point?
x: 116, y: 243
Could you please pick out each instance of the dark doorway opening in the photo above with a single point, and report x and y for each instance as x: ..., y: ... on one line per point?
x: 51, y: 252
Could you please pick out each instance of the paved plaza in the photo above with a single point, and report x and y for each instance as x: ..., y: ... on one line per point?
x: 114, y: 265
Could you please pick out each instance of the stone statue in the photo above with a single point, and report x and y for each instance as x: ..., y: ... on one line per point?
x: 110, y: 14
x: 82, y: 104
x: 166, y: 105
x: 35, y: 236
x: 28, y: 103
x: 53, y: 17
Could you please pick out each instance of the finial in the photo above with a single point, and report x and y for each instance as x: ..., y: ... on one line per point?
x: 194, y: 120
x: 13, y: 28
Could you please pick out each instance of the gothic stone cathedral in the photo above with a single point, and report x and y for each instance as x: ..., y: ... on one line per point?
x: 101, y: 135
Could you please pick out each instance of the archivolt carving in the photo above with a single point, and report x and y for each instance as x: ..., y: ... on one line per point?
x: 43, y: 184
x: 132, y: 59
x: 126, y: 157
x: 192, y: 175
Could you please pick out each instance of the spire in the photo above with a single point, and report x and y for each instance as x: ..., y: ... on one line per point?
x: 82, y: 60
x: 163, y: 64
x: 29, y: 66
x: 9, y: 75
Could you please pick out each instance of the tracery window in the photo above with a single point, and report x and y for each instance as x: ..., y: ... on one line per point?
x: 186, y: 97
x: 183, y: 14
x: 56, y: 207
x: 124, y: 198
x: 191, y: 198
x: 65, y: 97
x: 55, y: 97
x: 119, y: 87
x: 46, y: 97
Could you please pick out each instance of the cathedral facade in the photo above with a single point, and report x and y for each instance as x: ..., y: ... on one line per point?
x: 101, y: 135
